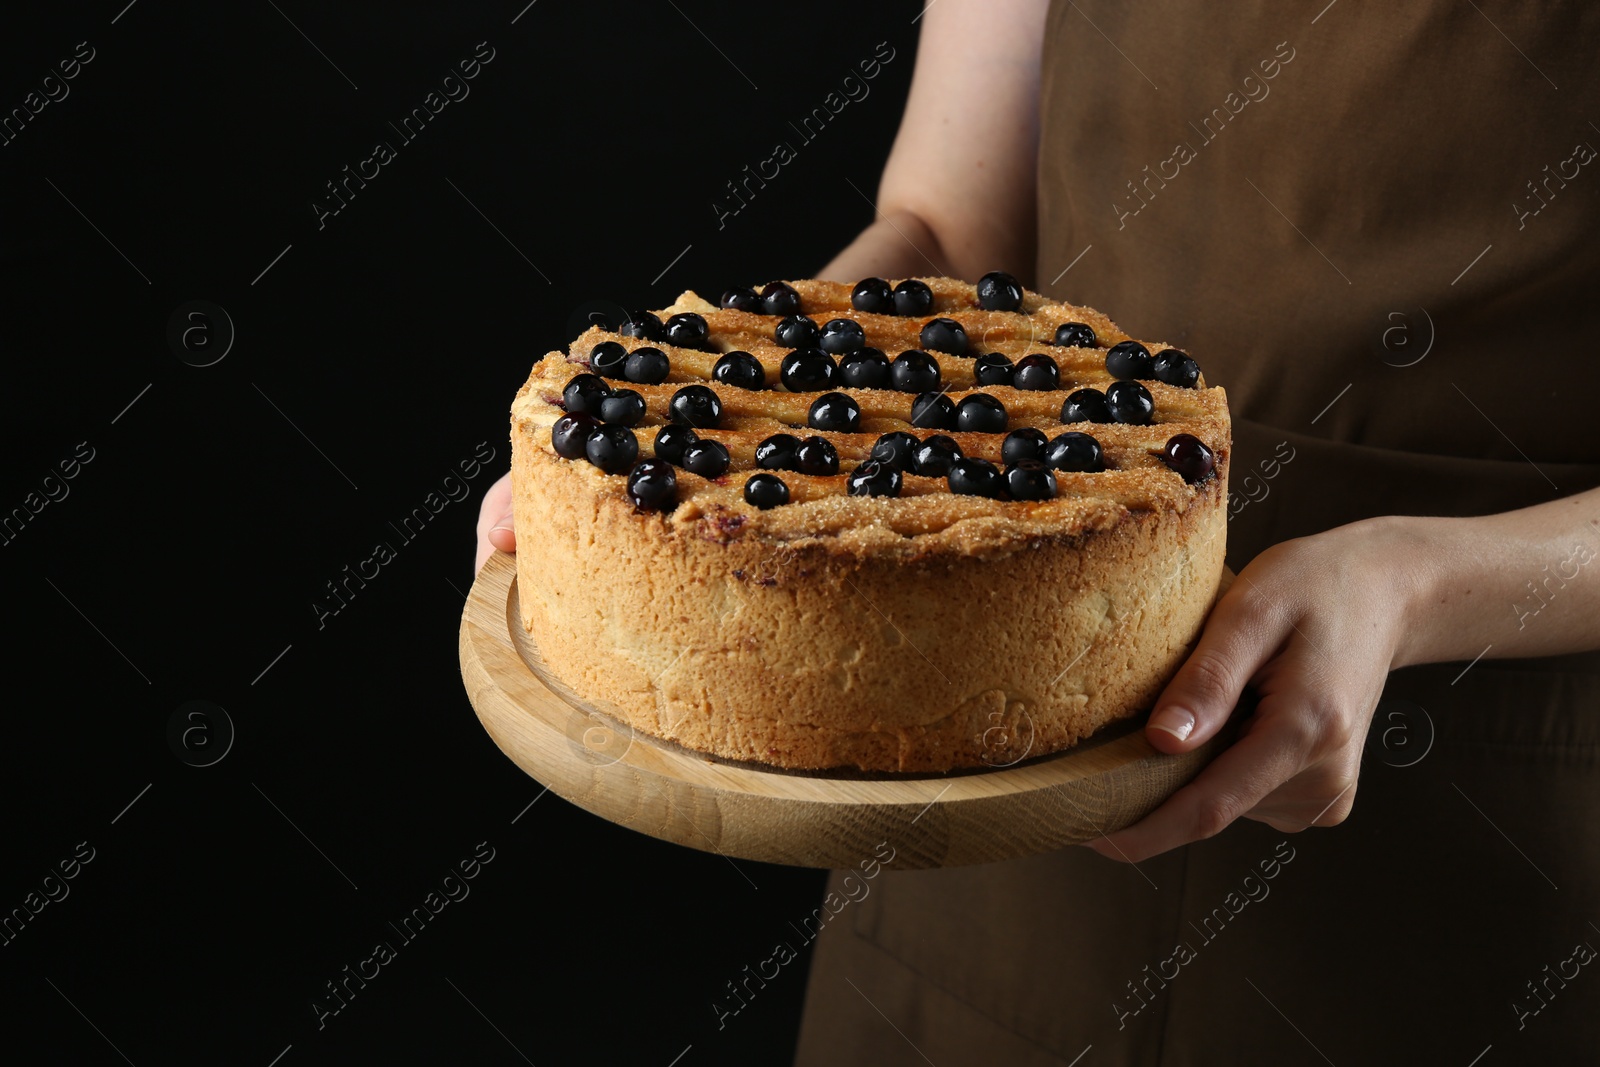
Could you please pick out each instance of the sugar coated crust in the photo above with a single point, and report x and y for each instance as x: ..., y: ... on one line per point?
x: 924, y: 632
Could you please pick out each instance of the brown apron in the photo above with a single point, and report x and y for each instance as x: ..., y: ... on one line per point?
x: 1377, y: 227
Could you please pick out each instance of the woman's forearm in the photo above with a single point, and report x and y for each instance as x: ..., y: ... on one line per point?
x: 958, y: 193
x: 1520, y: 583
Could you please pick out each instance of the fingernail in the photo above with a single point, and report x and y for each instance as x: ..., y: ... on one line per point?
x: 1175, y: 721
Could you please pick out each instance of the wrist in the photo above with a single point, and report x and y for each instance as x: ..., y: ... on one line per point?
x: 1423, y: 563
x: 1405, y: 555
x: 898, y: 244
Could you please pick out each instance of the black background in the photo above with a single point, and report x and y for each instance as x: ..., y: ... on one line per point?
x: 369, y: 360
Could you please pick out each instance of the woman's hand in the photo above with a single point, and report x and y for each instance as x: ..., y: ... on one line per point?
x: 494, y: 522
x: 1313, y: 626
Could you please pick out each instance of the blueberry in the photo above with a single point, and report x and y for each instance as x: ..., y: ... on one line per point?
x: 742, y: 298
x: 1130, y: 402
x: 570, y: 432
x: 584, y: 393
x: 912, y: 297
x: 611, y: 448
x: 914, y: 372
x: 796, y: 331
x: 708, y: 459
x: 688, y: 330
x: 1075, y: 335
x: 842, y: 335
x: 778, y: 452
x: 740, y: 370
x: 873, y: 296
x: 622, y: 408
x: 1176, y: 368
x: 837, y: 412
x: 696, y: 405
x: 1086, y: 405
x: 944, y: 335
x: 778, y: 298
x: 1129, y: 359
x: 933, y: 411
x: 873, y: 478
x: 608, y: 359
x: 976, y: 477
x: 672, y: 440
x: 643, y: 325
x: 1037, y: 372
x: 1073, y: 451
x: 980, y: 413
x: 653, y: 486
x: 993, y: 368
x: 808, y: 370
x: 1030, y: 480
x: 934, y: 457
x: 865, y: 368
x: 1189, y: 456
x: 999, y: 291
x: 646, y: 366
x: 816, y: 455
x: 765, y: 491
x: 895, y: 450
x: 1026, y: 443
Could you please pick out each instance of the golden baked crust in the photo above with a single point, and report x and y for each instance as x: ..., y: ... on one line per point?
x: 922, y: 632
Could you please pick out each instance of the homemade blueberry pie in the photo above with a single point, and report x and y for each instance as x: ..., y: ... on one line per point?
x: 905, y: 525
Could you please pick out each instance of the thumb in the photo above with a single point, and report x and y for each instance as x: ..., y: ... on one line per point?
x: 1236, y: 641
x: 494, y: 522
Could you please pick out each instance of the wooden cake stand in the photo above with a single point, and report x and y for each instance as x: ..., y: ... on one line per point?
x: 809, y: 819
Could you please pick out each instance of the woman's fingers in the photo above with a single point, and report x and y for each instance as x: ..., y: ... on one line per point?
x: 1269, y: 754
x: 1321, y: 795
x: 494, y: 522
x: 1241, y: 634
x: 1296, y: 631
x: 1294, y: 765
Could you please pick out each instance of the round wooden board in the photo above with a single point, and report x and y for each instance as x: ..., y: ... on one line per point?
x: 807, y: 819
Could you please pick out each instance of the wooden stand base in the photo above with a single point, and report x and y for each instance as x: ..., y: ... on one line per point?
x: 807, y: 819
